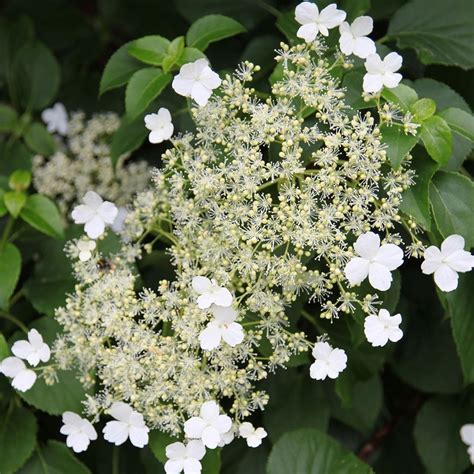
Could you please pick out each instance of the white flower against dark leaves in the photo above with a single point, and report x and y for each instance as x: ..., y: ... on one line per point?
x: 94, y: 213
x: 447, y: 262
x: 314, y: 21
x: 85, y: 248
x: 184, y: 457
x: 382, y: 73
x: 55, y: 119
x: 129, y: 424
x: 160, y: 125
x: 209, y: 426
x: 253, y: 436
x: 329, y: 362
x: 467, y: 436
x: 79, y: 431
x: 196, y: 80
x: 211, y: 293
x: 381, y: 328
x: 222, y: 327
x: 22, y: 378
x: 33, y: 350
x: 375, y: 261
x: 354, y: 39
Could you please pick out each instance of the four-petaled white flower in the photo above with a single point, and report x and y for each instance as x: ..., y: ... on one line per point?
x: 23, y: 378
x: 209, y: 426
x: 353, y: 39
x: 314, y: 21
x: 467, y: 435
x: 94, y: 213
x: 196, y: 80
x: 252, y: 435
x: 382, y: 73
x: 329, y: 362
x: 55, y: 119
x: 447, y: 262
x: 223, y: 326
x: 33, y: 350
x: 160, y: 125
x: 376, y: 261
x: 129, y: 424
x: 210, y: 293
x: 381, y: 328
x: 184, y: 457
x: 85, y: 248
x: 79, y: 431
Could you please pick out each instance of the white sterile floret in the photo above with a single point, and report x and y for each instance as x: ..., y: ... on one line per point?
x: 375, y: 261
x: 382, y: 73
x: 160, y: 125
x: 85, y: 248
x: 353, y: 39
x: 209, y: 426
x: 314, y: 21
x: 56, y: 119
x: 33, y: 350
x: 447, y: 262
x: 222, y: 327
x: 467, y: 436
x: 94, y: 213
x: 329, y: 362
x: 196, y: 80
x: 184, y: 457
x: 253, y: 436
x: 79, y: 431
x: 210, y: 293
x: 129, y: 424
x: 381, y: 328
x: 22, y: 378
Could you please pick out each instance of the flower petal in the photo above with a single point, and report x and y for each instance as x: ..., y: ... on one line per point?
x: 138, y: 436
x: 210, y: 338
x: 194, y: 427
x: 306, y: 12
x: 362, y: 26
x: 210, y: 437
x: 308, y: 32
x: 357, y: 270
x: 115, y: 432
x: 24, y: 380
x: 446, y: 278
x: 95, y: 227
x: 233, y: 334
x: 367, y: 245
x: 364, y: 47
x: 379, y: 276
x: 389, y: 255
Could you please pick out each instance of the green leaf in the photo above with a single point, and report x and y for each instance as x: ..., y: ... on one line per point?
x: 19, y: 180
x: 119, y: 69
x: 54, y: 458
x: 149, y: 49
x: 39, y: 140
x: 189, y: 55
x: 144, y: 86
x: 287, y: 24
x: 10, y: 268
x: 460, y: 122
x: 175, y: 50
x: 211, y: 28
x: 8, y: 118
x: 129, y: 136
x: 158, y: 442
x: 354, y: 8
x: 17, y: 439
x: 437, y: 138
x: 352, y: 82
x: 14, y: 202
x: 451, y: 196
x: 36, y: 76
x: 42, y: 214
x: 437, y: 436
x: 415, y: 200
x: 399, y: 144
x: 423, y: 109
x: 440, y: 35
x: 401, y: 95
x: 309, y: 451
x: 441, y: 93
x: 4, y: 349
x: 211, y: 462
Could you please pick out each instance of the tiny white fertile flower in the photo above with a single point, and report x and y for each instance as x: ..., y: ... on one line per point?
x: 160, y: 125
x: 33, y: 350
x: 329, y: 362
x: 184, y: 457
x: 467, y: 436
x: 79, y: 431
x: 381, y: 328
x: 382, y: 73
x: 354, y: 39
x: 314, y: 21
x: 23, y: 378
x: 209, y: 426
x: 447, y: 262
x: 94, y: 213
x: 210, y: 293
x: 55, y: 119
x: 223, y: 327
x: 196, y: 80
x: 85, y: 248
x: 376, y: 261
x: 253, y: 436
x: 119, y: 223
x: 129, y: 424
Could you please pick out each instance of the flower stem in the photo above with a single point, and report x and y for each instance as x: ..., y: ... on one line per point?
x: 14, y: 320
x: 6, y: 232
x: 115, y: 460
